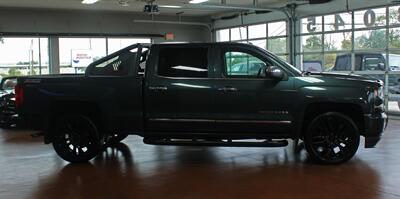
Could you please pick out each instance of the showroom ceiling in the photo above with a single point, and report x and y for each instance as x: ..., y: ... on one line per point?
x: 137, y: 5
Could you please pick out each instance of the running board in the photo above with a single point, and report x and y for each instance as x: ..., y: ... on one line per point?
x: 224, y: 143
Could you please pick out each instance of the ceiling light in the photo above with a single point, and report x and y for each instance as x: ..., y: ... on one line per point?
x: 89, y: 1
x: 197, y: 1
x: 169, y: 6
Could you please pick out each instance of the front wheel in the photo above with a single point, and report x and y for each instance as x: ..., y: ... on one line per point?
x: 332, y: 138
x: 76, y: 138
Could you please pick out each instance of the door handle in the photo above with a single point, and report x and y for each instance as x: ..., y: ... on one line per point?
x: 158, y: 88
x: 228, y: 89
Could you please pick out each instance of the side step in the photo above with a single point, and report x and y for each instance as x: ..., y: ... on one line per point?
x: 202, y: 142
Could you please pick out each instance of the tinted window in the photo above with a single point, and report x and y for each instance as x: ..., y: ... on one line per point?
x: 183, y: 62
x: 374, y: 62
x: 343, y: 63
x: 242, y: 64
x: 118, y: 65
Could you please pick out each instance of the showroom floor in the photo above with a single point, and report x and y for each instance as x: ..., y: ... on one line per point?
x: 30, y: 169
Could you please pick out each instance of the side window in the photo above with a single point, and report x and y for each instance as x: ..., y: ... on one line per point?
x: 183, y: 62
x: 115, y: 66
x: 373, y: 62
x: 242, y: 64
x: 343, y: 63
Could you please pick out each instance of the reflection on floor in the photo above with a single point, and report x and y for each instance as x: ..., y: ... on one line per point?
x: 30, y: 169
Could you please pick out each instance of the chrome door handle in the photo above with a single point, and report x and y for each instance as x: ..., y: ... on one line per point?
x: 228, y: 89
x: 158, y: 88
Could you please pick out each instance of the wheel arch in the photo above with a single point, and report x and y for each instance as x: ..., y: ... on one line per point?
x: 354, y: 111
x: 62, y: 107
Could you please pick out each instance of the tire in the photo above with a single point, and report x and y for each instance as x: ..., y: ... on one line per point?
x: 332, y: 138
x: 116, y: 138
x: 76, y: 138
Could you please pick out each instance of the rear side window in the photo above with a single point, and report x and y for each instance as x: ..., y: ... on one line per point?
x: 343, y: 63
x: 183, y: 62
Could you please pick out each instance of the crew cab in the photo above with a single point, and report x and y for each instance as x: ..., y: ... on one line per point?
x: 196, y: 94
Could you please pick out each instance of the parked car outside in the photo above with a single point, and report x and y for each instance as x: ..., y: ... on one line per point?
x: 313, y: 66
x: 8, y: 115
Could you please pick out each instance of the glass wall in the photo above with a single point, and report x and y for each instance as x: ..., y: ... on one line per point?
x: 365, y: 42
x: 77, y: 53
x: 271, y: 36
x: 24, y: 56
x: 115, y: 44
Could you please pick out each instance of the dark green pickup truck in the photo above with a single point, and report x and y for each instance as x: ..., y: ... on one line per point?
x: 212, y: 94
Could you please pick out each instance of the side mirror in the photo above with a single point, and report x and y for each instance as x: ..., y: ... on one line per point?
x: 274, y: 72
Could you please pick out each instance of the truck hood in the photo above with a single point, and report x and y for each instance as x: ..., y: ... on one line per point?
x: 350, y: 77
x: 336, y: 80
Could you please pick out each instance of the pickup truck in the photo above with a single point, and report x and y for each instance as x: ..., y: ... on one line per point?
x: 188, y: 94
x: 367, y: 62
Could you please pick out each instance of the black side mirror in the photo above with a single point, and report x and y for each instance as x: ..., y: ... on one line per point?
x: 274, y: 72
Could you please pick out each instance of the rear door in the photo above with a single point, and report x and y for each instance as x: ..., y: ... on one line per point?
x: 179, y: 94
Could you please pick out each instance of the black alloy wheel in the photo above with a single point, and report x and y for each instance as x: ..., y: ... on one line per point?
x: 332, y: 138
x: 76, y: 138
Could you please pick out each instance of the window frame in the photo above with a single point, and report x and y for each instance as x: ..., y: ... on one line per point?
x: 223, y: 70
x: 225, y: 65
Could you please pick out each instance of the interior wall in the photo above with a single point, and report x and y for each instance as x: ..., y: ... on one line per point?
x: 65, y: 22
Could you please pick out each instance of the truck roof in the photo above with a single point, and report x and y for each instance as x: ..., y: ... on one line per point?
x: 204, y: 44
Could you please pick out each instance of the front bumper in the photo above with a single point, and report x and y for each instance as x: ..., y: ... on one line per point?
x: 375, y: 125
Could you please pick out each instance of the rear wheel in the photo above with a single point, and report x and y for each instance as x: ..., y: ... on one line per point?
x: 332, y: 138
x: 76, y: 138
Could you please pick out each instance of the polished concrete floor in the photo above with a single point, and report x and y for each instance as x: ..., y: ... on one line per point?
x: 30, y: 169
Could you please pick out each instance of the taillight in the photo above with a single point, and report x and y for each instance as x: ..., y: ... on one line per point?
x: 19, y: 95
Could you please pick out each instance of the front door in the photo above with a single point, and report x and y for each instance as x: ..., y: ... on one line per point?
x: 247, y: 101
x: 179, y: 94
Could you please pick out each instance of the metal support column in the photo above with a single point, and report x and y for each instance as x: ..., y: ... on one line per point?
x: 54, y: 56
x: 291, y: 9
